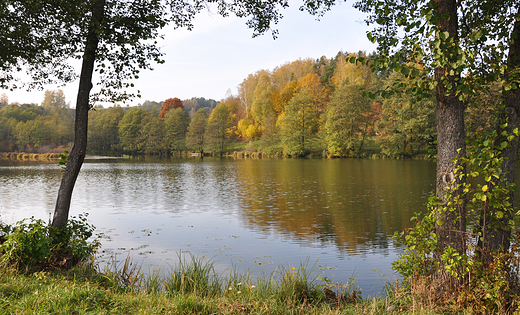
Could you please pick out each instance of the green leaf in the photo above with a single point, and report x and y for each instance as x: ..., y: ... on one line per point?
x: 476, y: 35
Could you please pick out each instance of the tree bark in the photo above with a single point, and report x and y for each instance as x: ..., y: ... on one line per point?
x: 496, y: 232
x: 77, y: 154
x: 451, y: 139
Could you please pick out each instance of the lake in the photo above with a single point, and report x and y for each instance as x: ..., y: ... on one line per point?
x: 247, y: 214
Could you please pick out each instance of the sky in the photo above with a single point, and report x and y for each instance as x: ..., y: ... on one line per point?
x: 219, y: 53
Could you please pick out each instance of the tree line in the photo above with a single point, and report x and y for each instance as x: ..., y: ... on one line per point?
x: 299, y: 108
x: 36, y: 128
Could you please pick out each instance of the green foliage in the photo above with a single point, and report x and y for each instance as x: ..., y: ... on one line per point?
x: 484, y: 281
x: 28, y: 243
x: 216, y: 135
x: 31, y: 128
x: 299, y: 125
x: 32, y: 243
x: 406, y: 126
x: 347, y: 120
x: 103, y: 129
x: 261, y: 105
x: 63, y: 158
x: 175, y: 125
x: 197, y: 130
x: 421, y: 243
x: 131, y: 126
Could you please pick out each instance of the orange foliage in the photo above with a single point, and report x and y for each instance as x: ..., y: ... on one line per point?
x: 169, y: 104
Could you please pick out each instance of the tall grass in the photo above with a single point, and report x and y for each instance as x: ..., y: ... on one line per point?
x: 194, y: 275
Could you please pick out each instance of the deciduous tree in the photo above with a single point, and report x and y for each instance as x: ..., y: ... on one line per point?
x: 217, y: 131
x: 175, y: 125
x: 467, y: 46
x: 170, y: 103
x: 116, y: 37
x: 299, y: 124
x: 54, y: 100
x: 262, y: 106
x: 346, y: 126
x: 4, y: 100
x: 197, y: 130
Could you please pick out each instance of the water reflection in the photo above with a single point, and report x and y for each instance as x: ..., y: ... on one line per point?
x: 244, y: 213
x: 350, y: 204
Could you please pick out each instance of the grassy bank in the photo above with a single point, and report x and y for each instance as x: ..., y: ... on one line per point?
x: 36, y: 278
x: 192, y: 288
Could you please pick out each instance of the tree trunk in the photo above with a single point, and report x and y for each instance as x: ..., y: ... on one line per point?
x: 496, y: 232
x: 77, y: 154
x: 451, y: 139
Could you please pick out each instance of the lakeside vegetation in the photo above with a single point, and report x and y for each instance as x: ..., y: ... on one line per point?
x: 39, y: 274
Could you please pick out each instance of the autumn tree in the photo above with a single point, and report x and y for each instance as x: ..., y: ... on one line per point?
x: 4, y: 100
x: 406, y: 126
x: 217, y: 131
x: 248, y: 130
x: 197, y: 131
x: 170, y: 103
x: 345, y: 125
x: 319, y: 94
x: 262, y: 106
x: 246, y: 90
x: 54, y: 100
x: 291, y: 71
x: 283, y: 95
x: 299, y: 124
x: 352, y: 72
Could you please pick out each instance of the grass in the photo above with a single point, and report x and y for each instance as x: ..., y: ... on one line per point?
x: 193, y: 287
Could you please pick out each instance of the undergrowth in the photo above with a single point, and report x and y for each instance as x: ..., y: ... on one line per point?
x: 33, y: 244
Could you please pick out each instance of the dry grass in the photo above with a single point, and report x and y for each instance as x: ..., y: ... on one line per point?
x: 29, y: 156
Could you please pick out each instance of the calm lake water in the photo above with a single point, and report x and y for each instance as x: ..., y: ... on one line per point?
x: 244, y: 214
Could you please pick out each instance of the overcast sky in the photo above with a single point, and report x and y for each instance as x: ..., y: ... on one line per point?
x: 219, y: 53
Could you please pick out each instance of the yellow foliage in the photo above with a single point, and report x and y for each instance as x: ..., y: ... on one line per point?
x: 354, y: 73
x: 254, y: 131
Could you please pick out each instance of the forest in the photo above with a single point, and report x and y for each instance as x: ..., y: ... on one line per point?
x: 307, y: 107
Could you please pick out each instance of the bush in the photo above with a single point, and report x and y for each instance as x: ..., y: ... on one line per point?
x: 32, y: 243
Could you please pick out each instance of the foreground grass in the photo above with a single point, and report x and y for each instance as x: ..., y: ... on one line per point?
x: 83, y: 290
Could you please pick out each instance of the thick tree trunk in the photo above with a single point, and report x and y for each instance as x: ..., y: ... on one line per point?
x: 77, y: 154
x: 451, y: 139
x: 496, y: 232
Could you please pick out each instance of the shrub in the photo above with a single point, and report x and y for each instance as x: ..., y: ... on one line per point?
x: 32, y: 243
